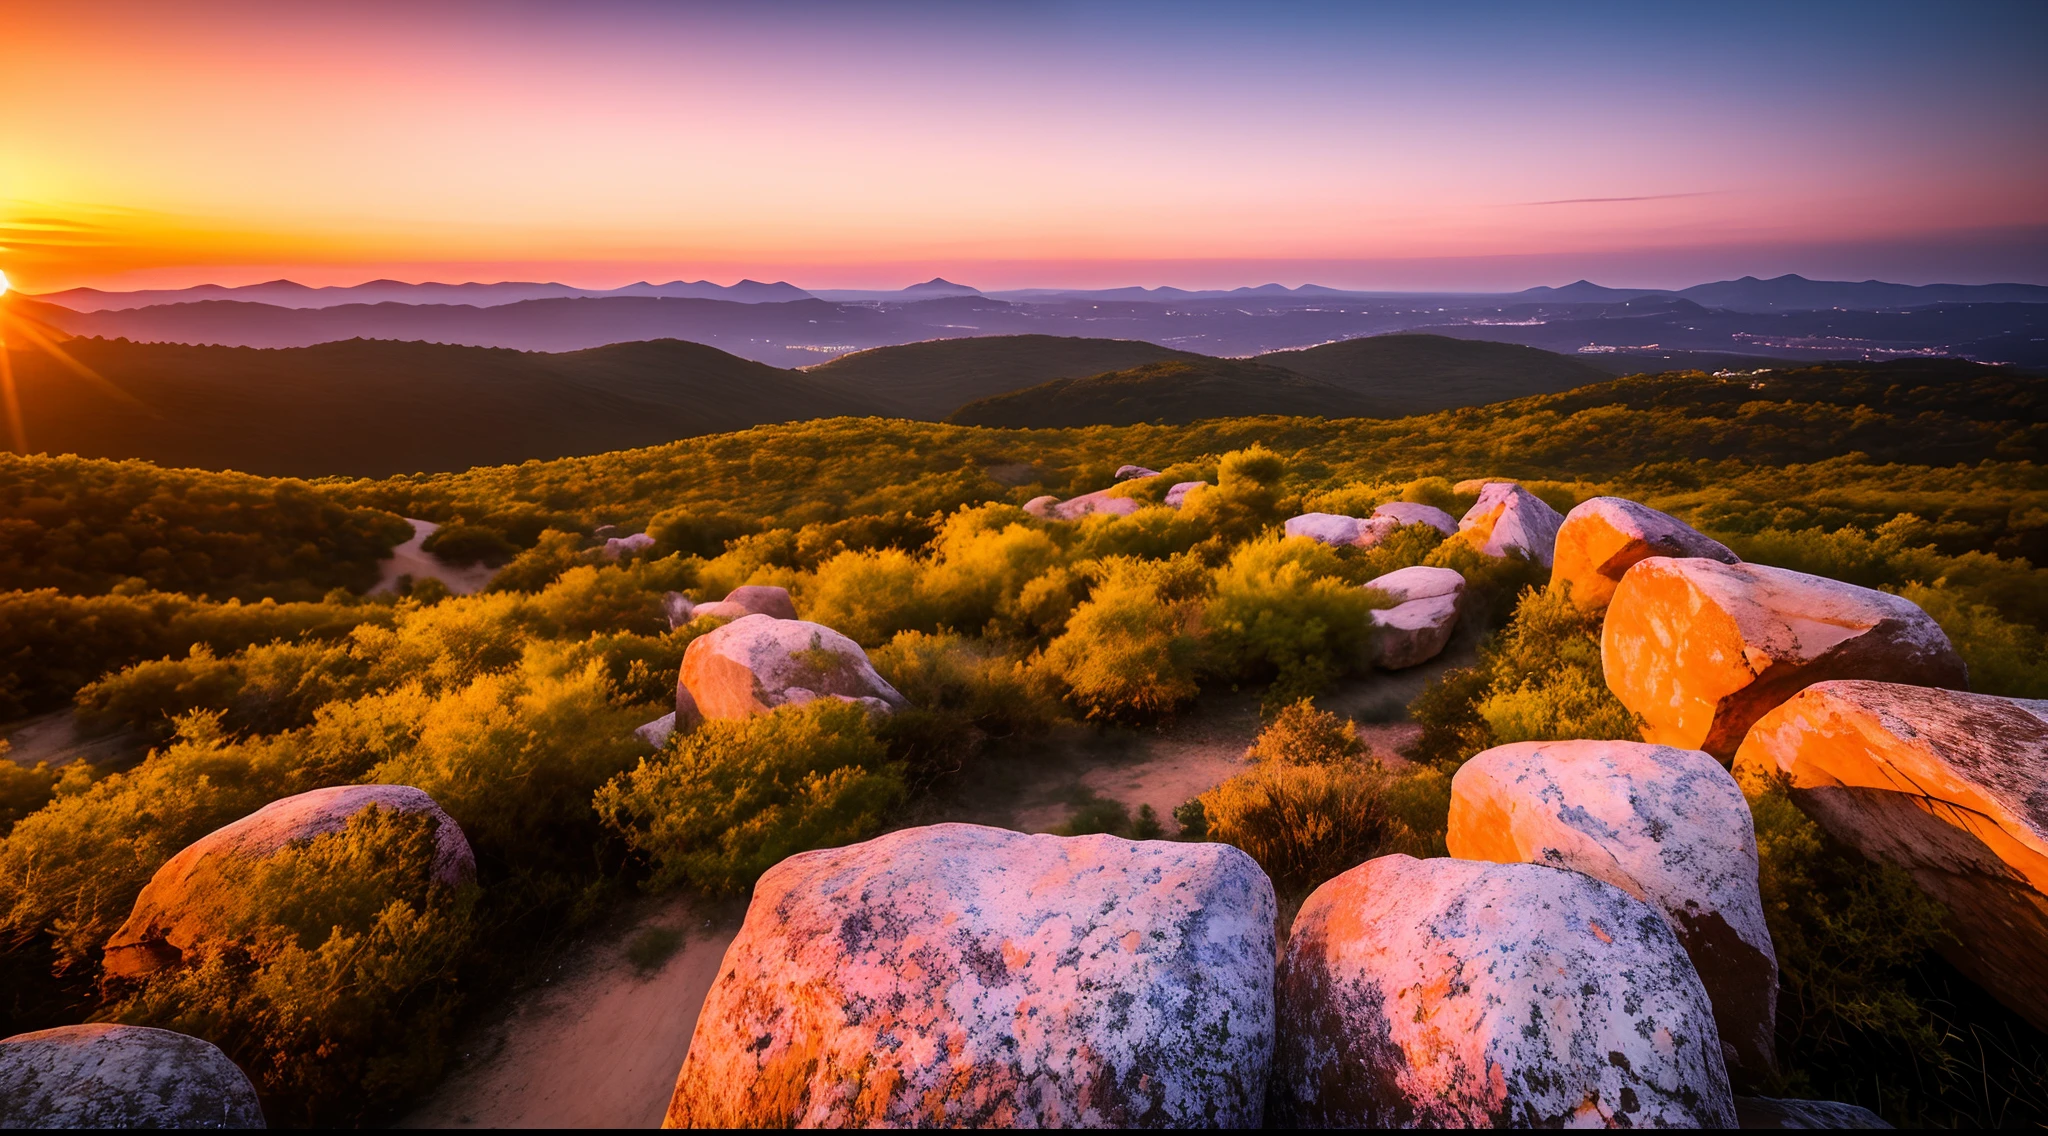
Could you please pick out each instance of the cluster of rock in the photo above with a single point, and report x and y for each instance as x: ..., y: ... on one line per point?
x: 1425, y: 613
x: 1107, y: 501
x: 117, y: 1076
x: 1593, y: 952
x: 764, y: 658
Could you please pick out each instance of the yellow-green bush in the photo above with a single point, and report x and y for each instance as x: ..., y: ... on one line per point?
x: 869, y: 596
x: 2004, y: 657
x: 1303, y: 735
x: 1307, y: 823
x: 332, y: 980
x: 1131, y: 651
x: 730, y: 800
x: 1280, y: 610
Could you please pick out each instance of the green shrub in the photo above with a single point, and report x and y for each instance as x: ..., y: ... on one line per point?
x: 1130, y: 651
x: 27, y: 788
x: 732, y: 799
x: 332, y: 983
x: 1306, y: 823
x: 464, y: 544
x: 869, y: 596
x: 1539, y: 679
x: 553, y: 553
x: 2004, y: 657
x: 1280, y: 611
x: 1303, y: 735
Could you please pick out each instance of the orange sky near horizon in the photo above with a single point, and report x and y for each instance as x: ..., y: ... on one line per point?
x: 1043, y: 145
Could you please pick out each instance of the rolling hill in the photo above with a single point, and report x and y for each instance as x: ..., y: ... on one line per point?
x: 1418, y: 374
x: 1175, y: 392
x: 930, y: 380
x: 376, y: 408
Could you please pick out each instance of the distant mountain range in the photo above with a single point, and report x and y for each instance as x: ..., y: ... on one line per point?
x: 1791, y: 293
x: 286, y: 294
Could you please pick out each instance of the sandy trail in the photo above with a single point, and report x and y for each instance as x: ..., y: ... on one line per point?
x: 599, y: 1044
x: 409, y: 559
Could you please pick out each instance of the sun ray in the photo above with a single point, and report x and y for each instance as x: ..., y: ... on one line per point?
x: 28, y: 329
x: 17, y: 431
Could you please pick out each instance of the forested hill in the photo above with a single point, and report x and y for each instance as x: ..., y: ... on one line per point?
x: 933, y: 379
x: 1416, y: 374
x: 372, y: 408
x: 1175, y: 391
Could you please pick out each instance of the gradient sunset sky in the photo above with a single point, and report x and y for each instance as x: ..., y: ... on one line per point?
x: 1438, y: 145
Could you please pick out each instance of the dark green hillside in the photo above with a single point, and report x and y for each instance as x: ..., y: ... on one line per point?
x: 1178, y: 391
x: 930, y: 380
x: 1416, y: 374
x: 374, y: 408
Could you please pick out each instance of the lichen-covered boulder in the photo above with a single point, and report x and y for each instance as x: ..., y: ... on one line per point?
x: 112, y: 1076
x: 1131, y: 472
x: 1702, y: 649
x: 960, y: 976
x: 621, y: 545
x: 1509, y: 520
x: 1601, y: 539
x: 1772, y: 1112
x: 182, y: 905
x: 1338, y: 530
x: 1457, y: 994
x: 1178, y: 495
x: 1416, y: 629
x: 1089, y: 504
x: 1951, y: 787
x: 1410, y: 513
x: 752, y: 665
x: 1668, y: 826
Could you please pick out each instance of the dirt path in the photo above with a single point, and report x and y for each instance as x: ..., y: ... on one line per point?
x: 599, y: 1043
x: 409, y: 559
x: 54, y: 738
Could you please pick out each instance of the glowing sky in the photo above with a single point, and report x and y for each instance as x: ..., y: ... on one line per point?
x: 1433, y: 145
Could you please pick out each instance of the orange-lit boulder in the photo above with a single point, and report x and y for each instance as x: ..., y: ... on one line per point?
x: 1410, y: 513
x: 1951, y: 787
x: 185, y: 904
x: 1456, y: 994
x: 960, y: 976
x: 1702, y: 649
x: 110, y: 1076
x: 1668, y: 826
x: 1603, y: 538
x: 1416, y: 629
x: 1508, y: 520
x: 752, y: 665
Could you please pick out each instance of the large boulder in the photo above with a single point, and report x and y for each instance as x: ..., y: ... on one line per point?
x: 1088, y: 504
x: 1178, y: 495
x: 1042, y: 506
x: 1338, y: 530
x: 752, y: 665
x: 1668, y: 826
x: 1454, y: 994
x: 1416, y: 629
x: 1601, y: 539
x: 1132, y: 472
x: 1951, y: 787
x: 961, y: 976
x: 1410, y: 513
x: 1702, y: 649
x: 184, y: 903
x: 1509, y: 520
x: 752, y: 599
x: 618, y: 546
x: 111, y: 1076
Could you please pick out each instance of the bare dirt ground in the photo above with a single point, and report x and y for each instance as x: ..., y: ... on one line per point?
x: 599, y: 1042
x: 409, y: 559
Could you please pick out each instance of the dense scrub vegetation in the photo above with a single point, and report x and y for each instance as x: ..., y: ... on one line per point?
x: 514, y: 708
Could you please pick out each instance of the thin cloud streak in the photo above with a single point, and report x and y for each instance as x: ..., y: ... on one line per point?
x: 1605, y: 200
